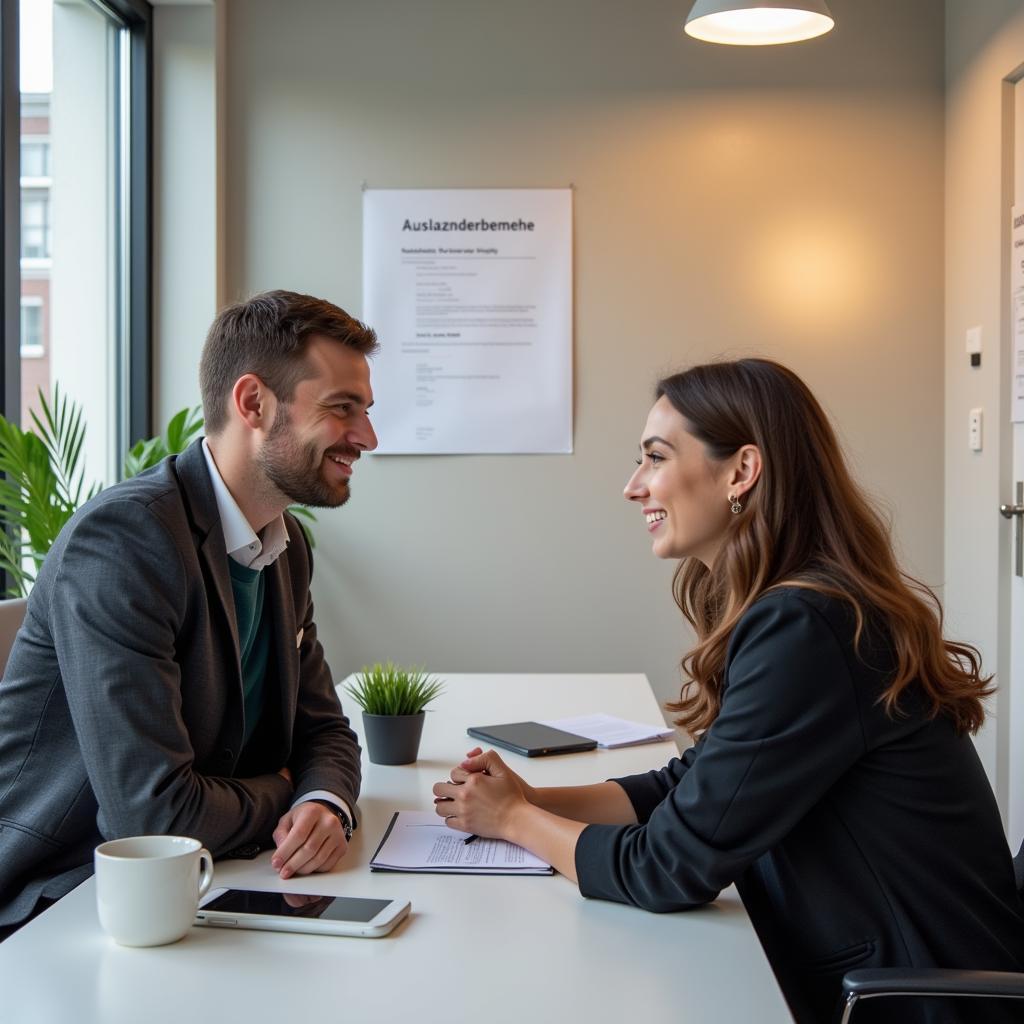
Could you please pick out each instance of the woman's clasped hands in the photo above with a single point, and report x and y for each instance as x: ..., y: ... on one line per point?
x: 484, y: 796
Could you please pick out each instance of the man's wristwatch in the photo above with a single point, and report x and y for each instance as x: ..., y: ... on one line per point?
x: 346, y: 823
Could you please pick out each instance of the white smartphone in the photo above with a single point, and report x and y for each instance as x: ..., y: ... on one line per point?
x: 300, y: 912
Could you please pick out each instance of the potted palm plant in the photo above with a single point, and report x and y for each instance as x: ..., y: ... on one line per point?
x: 394, y: 702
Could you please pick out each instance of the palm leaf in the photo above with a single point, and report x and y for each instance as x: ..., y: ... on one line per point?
x: 41, y: 485
x: 305, y: 516
x: 143, y: 455
x: 62, y: 432
x: 147, y: 452
x: 183, y: 427
x: 11, y: 563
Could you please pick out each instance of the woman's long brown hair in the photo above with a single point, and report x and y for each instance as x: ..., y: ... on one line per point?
x: 804, y: 523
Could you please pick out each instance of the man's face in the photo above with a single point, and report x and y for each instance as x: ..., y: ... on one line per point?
x: 315, y: 439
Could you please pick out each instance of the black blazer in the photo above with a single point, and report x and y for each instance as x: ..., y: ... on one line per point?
x: 855, y: 839
x: 121, y: 709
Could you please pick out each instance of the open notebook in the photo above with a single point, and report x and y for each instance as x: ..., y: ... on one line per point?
x: 420, y: 841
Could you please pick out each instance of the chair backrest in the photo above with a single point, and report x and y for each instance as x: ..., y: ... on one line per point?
x: 12, y: 615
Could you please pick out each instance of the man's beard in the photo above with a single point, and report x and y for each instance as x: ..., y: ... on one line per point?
x: 296, y: 470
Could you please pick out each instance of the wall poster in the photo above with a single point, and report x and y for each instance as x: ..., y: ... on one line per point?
x: 1017, y: 323
x: 470, y: 292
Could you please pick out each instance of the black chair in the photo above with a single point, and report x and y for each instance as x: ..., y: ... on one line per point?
x: 932, y: 982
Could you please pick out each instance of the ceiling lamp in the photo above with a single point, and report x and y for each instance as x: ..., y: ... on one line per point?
x: 758, y: 22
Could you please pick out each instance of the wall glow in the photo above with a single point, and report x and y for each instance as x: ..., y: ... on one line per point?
x: 811, y: 271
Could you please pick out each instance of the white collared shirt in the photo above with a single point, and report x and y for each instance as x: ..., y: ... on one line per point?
x: 244, y: 545
x: 256, y: 551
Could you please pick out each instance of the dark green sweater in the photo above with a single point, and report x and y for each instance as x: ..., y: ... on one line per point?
x: 249, y: 589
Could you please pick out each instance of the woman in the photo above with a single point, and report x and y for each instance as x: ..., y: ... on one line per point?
x: 833, y: 778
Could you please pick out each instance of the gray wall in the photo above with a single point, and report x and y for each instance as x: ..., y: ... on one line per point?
x: 785, y: 201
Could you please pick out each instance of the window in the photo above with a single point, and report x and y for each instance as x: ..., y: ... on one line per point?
x: 31, y: 327
x: 35, y: 224
x: 84, y: 247
x: 35, y: 158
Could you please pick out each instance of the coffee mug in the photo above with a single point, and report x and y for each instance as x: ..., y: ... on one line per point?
x: 148, y: 887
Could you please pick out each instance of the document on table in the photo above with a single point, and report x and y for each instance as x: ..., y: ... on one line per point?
x: 610, y: 731
x: 420, y: 841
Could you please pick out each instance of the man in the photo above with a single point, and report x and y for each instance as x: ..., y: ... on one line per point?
x: 168, y: 677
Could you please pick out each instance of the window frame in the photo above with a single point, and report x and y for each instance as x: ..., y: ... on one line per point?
x: 10, y: 212
x: 136, y: 302
x: 137, y: 17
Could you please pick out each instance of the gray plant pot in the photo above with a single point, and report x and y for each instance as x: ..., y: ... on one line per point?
x: 393, y: 739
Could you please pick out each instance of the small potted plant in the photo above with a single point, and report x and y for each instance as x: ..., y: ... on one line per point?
x: 393, y: 700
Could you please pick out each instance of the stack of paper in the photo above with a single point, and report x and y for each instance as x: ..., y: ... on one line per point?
x: 612, y: 732
x: 420, y: 841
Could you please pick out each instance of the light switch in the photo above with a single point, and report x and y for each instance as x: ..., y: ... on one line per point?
x: 974, y: 430
x: 973, y: 343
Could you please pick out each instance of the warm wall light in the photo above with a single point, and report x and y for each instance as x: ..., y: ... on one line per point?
x: 810, y: 268
x: 758, y: 22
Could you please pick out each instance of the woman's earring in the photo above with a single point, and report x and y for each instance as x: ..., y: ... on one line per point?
x: 735, y: 505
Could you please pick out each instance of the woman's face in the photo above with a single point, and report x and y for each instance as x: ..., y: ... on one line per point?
x: 683, y: 494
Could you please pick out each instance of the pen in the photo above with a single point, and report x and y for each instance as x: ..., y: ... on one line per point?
x: 468, y: 840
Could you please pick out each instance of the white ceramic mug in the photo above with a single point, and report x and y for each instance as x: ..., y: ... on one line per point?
x: 148, y: 887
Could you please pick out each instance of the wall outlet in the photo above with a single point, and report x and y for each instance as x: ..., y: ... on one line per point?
x: 974, y: 430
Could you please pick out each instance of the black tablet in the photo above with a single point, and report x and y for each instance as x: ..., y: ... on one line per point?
x: 531, y: 738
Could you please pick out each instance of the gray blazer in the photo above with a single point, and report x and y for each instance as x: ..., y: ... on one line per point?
x: 121, y: 708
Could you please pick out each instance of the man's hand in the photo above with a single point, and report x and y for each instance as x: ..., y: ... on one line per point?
x: 309, y: 838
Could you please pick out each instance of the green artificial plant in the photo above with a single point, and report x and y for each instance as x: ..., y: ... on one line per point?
x: 390, y: 690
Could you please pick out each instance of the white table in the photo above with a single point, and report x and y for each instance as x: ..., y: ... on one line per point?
x: 493, y: 948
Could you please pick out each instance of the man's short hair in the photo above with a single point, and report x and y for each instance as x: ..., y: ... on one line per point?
x: 268, y: 335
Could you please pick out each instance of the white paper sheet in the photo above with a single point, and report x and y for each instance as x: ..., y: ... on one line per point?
x: 470, y: 292
x: 1017, y: 326
x: 610, y: 731
x: 420, y: 841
